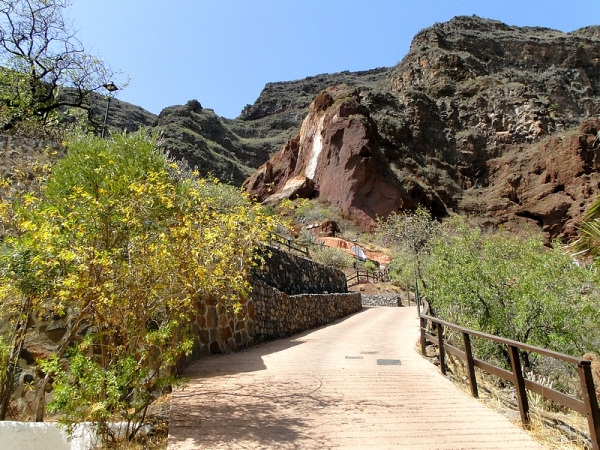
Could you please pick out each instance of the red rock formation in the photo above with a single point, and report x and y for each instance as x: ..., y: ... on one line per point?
x: 337, y: 149
x: 548, y: 185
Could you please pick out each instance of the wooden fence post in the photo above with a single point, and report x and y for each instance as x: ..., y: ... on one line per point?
x: 470, y: 365
x: 423, y: 340
x: 588, y: 392
x: 519, y: 384
x: 442, y: 350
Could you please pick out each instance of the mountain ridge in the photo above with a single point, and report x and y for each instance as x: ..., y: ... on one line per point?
x: 451, y: 126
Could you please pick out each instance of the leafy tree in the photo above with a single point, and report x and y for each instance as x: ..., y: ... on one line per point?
x: 514, y: 288
x: 410, y: 235
x: 40, y: 55
x: 122, y: 244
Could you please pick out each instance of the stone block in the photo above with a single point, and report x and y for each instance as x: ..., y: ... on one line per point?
x: 214, y: 334
x: 212, y: 319
x: 225, y: 334
x: 223, y: 322
x: 215, y: 348
x: 204, y: 336
x: 238, y: 338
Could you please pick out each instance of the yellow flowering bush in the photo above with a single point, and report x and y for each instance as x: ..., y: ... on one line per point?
x: 122, y: 244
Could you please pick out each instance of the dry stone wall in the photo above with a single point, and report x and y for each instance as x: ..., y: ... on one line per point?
x: 278, y: 315
x: 297, y: 275
x: 267, y: 314
x: 289, y: 294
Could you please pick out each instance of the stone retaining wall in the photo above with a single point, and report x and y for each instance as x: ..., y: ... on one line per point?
x: 383, y: 300
x: 267, y: 314
x: 278, y: 315
x: 297, y: 275
x: 289, y: 294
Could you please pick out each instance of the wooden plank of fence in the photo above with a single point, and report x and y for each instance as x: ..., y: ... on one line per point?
x: 588, y: 407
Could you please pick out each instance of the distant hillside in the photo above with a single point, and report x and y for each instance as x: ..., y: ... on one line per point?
x: 233, y: 149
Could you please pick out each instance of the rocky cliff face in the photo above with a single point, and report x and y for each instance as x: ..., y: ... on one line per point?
x: 336, y: 157
x: 479, y: 118
x: 233, y: 149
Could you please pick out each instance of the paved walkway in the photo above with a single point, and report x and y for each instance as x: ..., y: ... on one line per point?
x: 324, y: 389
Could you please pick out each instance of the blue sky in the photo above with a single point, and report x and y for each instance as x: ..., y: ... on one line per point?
x: 223, y: 52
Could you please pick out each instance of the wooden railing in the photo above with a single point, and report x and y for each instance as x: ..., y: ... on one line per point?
x: 588, y: 407
x: 367, y: 277
x: 289, y: 243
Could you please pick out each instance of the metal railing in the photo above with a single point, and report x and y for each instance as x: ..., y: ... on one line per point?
x: 587, y: 407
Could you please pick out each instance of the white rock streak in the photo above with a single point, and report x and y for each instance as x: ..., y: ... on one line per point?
x: 315, y: 150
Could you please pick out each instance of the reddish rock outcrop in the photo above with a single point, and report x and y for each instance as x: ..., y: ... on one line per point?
x: 347, y: 247
x: 337, y: 149
x: 547, y: 185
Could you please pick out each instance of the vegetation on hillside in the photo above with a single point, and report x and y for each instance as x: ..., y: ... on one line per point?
x: 502, y: 284
x: 120, y: 243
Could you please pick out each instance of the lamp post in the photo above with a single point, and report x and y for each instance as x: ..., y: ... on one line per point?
x: 110, y: 87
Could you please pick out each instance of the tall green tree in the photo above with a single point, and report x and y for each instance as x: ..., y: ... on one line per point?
x: 40, y: 55
x: 410, y: 235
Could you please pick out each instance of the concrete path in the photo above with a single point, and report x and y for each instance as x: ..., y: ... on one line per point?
x: 327, y: 389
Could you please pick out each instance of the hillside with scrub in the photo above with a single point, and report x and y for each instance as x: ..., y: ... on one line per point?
x: 465, y: 178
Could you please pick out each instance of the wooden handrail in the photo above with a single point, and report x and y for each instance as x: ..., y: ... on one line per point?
x: 291, y: 244
x: 588, y: 407
x: 374, y: 276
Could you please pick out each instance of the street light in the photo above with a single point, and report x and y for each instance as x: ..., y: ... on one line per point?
x: 110, y: 87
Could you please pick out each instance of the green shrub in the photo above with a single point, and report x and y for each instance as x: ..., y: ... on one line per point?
x: 332, y: 257
x: 515, y: 288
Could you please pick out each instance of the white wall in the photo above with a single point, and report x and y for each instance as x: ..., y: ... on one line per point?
x: 41, y: 436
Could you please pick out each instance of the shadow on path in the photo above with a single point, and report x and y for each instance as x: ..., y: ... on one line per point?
x: 232, y: 402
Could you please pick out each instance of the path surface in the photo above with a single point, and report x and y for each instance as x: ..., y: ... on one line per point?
x: 324, y: 389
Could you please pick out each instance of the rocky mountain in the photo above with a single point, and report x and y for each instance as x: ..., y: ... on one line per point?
x: 480, y: 118
x: 121, y: 115
x: 233, y: 149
